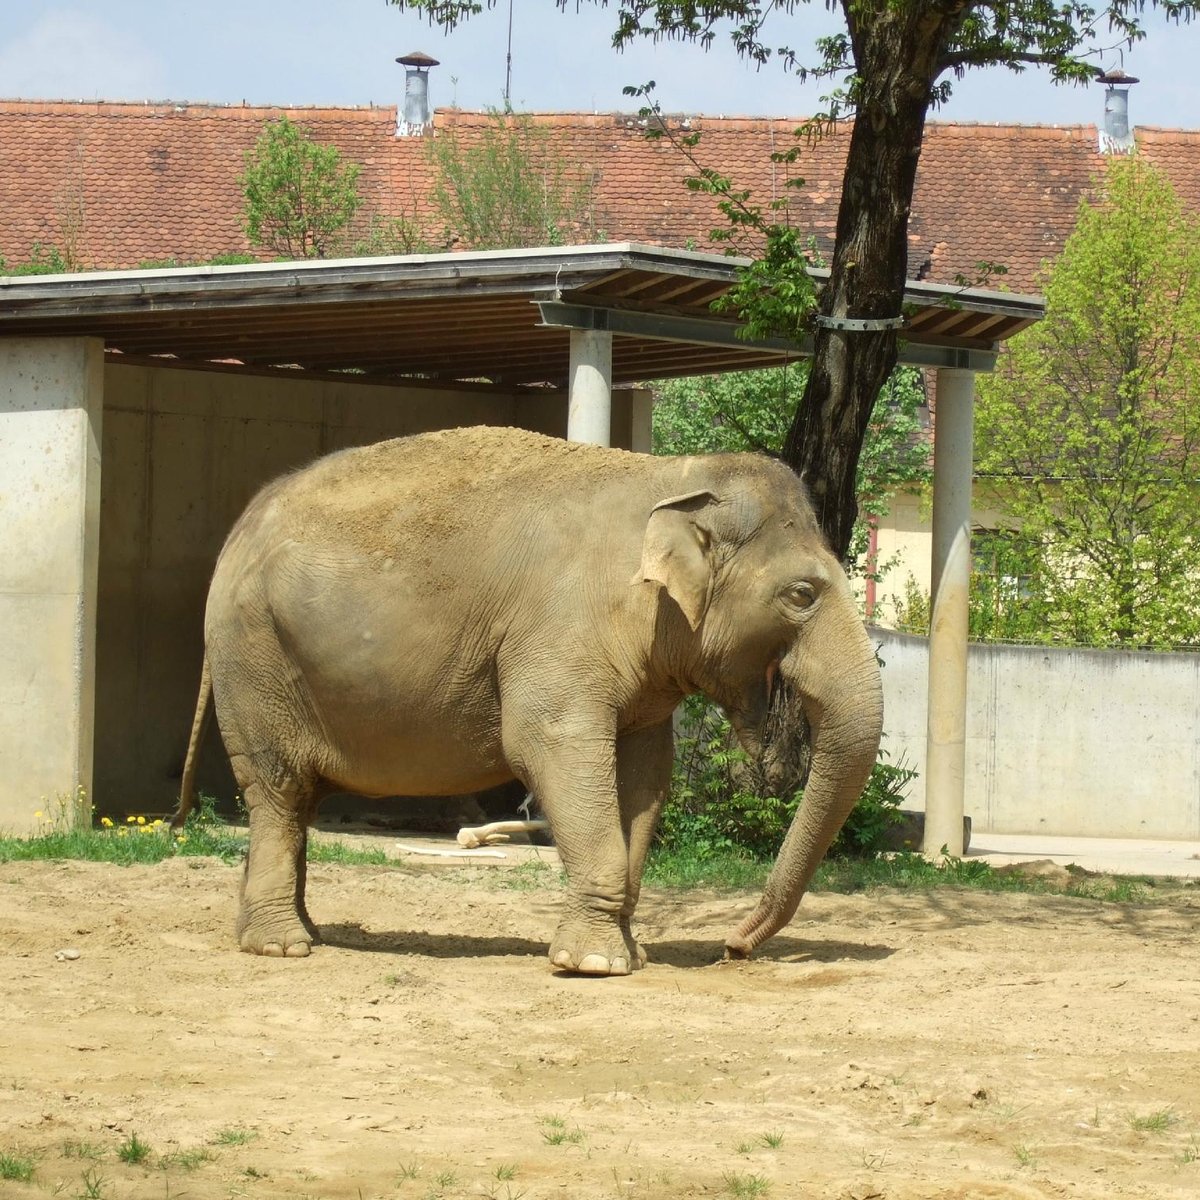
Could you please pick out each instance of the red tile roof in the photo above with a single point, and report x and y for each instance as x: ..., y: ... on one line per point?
x: 128, y: 183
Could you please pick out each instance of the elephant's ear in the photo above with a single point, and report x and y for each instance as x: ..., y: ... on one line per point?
x: 675, y: 553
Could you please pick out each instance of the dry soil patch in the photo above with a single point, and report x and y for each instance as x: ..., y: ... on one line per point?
x: 889, y: 1046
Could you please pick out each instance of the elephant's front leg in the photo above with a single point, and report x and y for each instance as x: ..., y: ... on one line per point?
x: 571, y: 768
x: 644, y: 760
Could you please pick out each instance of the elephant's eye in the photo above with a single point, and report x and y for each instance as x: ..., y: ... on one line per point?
x: 800, y: 595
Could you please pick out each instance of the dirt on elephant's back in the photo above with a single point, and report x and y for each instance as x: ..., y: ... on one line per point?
x: 890, y: 1046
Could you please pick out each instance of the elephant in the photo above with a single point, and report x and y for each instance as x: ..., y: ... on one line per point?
x: 448, y: 611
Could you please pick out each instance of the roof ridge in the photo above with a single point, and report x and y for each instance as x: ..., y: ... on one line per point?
x: 106, y: 107
x: 453, y: 114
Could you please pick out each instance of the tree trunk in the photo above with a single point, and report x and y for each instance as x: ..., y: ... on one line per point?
x: 897, y: 48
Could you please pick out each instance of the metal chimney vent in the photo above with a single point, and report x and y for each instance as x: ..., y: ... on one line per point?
x: 1116, y: 137
x: 417, y: 114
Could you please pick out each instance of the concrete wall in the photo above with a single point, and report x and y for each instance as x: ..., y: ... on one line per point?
x: 183, y: 453
x: 50, y: 426
x: 1069, y: 742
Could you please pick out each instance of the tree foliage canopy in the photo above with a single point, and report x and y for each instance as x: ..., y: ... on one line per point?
x: 510, y: 188
x: 300, y: 196
x: 1090, y: 430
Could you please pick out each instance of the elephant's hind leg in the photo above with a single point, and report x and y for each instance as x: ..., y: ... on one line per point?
x: 273, y: 919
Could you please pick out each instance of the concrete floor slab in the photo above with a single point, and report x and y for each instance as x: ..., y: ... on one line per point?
x: 1115, y: 856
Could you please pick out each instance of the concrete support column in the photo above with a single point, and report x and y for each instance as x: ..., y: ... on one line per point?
x: 642, y: 421
x: 946, y: 733
x: 51, y: 400
x: 589, y: 415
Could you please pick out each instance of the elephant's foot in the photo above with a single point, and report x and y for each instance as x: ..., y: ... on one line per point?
x: 585, y: 949
x: 292, y: 937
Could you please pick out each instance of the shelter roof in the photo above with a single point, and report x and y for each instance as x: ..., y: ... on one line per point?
x: 495, y: 317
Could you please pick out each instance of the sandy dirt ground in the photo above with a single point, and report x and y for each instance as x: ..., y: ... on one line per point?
x: 884, y: 1046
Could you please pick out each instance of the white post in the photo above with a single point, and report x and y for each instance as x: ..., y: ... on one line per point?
x: 51, y: 401
x: 589, y: 416
x: 946, y: 735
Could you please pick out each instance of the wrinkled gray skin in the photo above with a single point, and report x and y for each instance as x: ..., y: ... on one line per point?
x: 439, y: 614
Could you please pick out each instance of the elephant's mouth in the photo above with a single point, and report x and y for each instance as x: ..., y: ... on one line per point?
x: 786, y: 741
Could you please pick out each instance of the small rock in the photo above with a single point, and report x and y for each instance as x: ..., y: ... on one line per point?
x: 68, y: 955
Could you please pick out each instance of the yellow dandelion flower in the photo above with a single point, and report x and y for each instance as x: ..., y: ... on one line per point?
x: 106, y: 822
x: 130, y: 820
x: 122, y: 832
x: 141, y: 820
x: 40, y: 816
x: 181, y: 838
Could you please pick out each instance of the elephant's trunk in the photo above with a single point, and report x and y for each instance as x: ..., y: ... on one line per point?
x: 844, y: 711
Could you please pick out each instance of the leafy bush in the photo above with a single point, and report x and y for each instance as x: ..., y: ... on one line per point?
x: 714, y: 809
x: 43, y: 260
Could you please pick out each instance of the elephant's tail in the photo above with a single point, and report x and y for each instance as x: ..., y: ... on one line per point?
x: 199, y: 727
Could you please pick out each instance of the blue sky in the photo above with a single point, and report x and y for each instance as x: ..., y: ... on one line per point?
x: 340, y: 52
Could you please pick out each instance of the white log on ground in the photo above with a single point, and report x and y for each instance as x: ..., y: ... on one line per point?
x: 497, y: 831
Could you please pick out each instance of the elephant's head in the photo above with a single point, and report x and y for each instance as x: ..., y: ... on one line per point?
x: 771, y: 632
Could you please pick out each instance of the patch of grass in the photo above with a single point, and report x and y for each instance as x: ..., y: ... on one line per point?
x: 556, y: 1133
x: 233, y: 1137
x: 745, y: 1186
x: 492, y: 1192
x: 504, y: 1172
x: 1190, y: 1153
x: 772, y: 1139
x: 138, y: 838
x: 336, y: 852
x: 1155, y: 1122
x: 93, y: 1185
x: 407, y: 1171
x: 133, y: 1150
x: 71, y: 833
x: 184, y: 1160
x: 1004, y: 1111
x: 17, y: 1167
x: 442, y: 1183
x: 531, y: 876
x: 1025, y: 1155
x: 92, y: 1151
x: 679, y: 869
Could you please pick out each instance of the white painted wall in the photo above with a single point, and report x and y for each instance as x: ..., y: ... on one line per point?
x: 1061, y: 742
x: 906, y: 546
x: 50, y: 422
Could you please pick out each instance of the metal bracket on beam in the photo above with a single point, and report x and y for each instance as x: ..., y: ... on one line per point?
x: 859, y: 324
x: 708, y: 331
x: 666, y: 327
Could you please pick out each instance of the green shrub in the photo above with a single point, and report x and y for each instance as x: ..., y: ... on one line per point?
x: 714, y: 809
